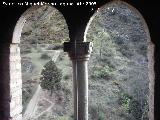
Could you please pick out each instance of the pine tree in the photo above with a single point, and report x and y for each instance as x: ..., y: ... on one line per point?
x: 51, y: 77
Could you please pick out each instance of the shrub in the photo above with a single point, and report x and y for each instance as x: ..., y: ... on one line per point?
x: 66, y: 77
x: 51, y: 77
x: 135, y: 109
x: 97, y: 112
x: 45, y: 56
x: 57, y: 47
x: 102, y: 72
x: 124, y: 101
x: 54, y: 47
x: 27, y: 33
x: 25, y: 51
x: 101, y: 115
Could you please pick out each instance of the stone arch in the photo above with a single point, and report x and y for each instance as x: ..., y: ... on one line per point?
x: 150, y: 45
x: 15, y: 65
x: 119, y: 2
x: 20, y: 23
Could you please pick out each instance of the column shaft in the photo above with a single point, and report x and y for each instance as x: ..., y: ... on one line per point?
x: 79, y: 54
x: 82, y: 80
x: 75, y: 90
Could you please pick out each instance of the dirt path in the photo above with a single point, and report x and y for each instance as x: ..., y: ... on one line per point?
x: 32, y: 105
x: 36, y: 117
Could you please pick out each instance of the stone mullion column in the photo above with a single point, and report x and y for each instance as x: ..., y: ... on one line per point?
x: 75, y: 89
x: 82, y: 80
x: 79, y: 54
x: 15, y: 83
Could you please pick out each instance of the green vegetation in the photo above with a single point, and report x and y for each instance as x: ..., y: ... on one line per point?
x: 42, y: 36
x: 125, y: 101
x: 45, y: 25
x: 51, y: 77
x: 66, y: 77
x: 118, y: 68
x: 102, y: 72
x: 97, y: 112
x: 45, y: 56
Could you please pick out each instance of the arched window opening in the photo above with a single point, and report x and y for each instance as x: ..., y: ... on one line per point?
x: 45, y: 68
x: 119, y: 75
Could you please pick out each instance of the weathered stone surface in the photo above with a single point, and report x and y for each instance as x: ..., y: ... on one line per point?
x: 15, y: 83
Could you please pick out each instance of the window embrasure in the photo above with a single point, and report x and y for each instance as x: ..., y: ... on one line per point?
x: 45, y: 69
x: 119, y: 75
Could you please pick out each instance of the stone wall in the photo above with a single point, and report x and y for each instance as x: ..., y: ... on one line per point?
x: 151, y: 79
x: 15, y: 83
x: 10, y: 82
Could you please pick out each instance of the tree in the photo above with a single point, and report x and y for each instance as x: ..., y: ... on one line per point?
x: 51, y: 77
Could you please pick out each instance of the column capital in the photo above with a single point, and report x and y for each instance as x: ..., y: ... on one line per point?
x: 78, y: 50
